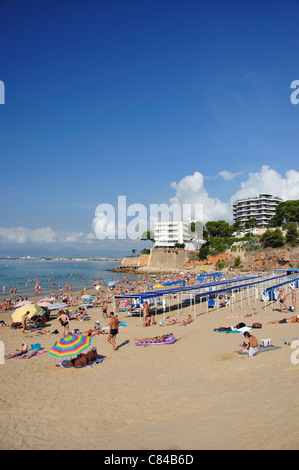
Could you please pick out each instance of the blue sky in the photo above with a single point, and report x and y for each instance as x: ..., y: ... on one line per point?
x: 107, y: 98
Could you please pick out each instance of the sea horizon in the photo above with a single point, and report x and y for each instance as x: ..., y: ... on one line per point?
x: 53, y: 275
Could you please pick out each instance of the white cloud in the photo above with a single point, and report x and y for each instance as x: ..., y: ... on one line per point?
x: 269, y: 181
x: 44, y: 235
x: 21, y: 235
x: 191, y: 190
x: 228, y: 175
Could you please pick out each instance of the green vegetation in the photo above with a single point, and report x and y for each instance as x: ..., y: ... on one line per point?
x: 219, y: 234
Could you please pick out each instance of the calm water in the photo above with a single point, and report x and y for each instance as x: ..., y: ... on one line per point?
x: 18, y: 273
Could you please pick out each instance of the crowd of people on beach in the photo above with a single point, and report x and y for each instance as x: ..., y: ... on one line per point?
x: 105, y: 298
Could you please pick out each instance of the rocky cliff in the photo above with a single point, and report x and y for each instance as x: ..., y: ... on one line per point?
x: 171, y: 260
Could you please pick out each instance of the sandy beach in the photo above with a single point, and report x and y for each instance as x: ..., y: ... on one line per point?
x: 197, y: 393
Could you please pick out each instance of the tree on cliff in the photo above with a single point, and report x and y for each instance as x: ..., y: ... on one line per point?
x: 272, y: 238
x: 292, y: 234
x: 287, y: 211
x: 219, y: 228
x: 148, y: 235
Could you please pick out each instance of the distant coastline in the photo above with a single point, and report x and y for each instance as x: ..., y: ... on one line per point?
x: 60, y: 258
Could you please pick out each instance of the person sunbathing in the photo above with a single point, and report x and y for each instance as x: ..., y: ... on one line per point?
x: 294, y: 319
x: 188, y: 321
x: 83, y: 359
x: 156, y: 339
x: 19, y: 352
x: 230, y: 328
x: 169, y: 322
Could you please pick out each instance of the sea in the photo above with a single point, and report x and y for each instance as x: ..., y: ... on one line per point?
x: 23, y: 273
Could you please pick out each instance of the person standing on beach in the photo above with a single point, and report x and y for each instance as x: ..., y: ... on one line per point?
x: 24, y: 321
x: 145, y: 313
x: 113, y: 330
x: 64, y: 320
x: 294, y: 299
x: 282, y: 299
x: 104, y: 309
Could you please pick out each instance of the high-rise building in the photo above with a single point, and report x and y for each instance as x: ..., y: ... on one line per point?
x: 261, y: 207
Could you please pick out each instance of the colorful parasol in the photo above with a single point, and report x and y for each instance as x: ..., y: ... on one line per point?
x: 70, y: 345
x: 19, y: 312
x: 44, y: 303
x: 21, y: 303
x: 57, y: 306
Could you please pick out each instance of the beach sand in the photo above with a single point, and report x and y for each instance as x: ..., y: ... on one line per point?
x: 195, y: 394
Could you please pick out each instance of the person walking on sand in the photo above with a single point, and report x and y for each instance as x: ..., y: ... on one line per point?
x: 113, y: 330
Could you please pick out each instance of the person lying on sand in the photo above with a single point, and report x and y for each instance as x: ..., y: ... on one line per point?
x: 83, y: 359
x: 188, y: 321
x: 28, y: 355
x: 230, y: 328
x: 169, y: 322
x: 294, y: 319
x: 94, y: 332
x: 156, y: 339
x: 18, y: 352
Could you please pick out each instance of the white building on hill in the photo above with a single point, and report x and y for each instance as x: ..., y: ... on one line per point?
x: 261, y: 207
x: 167, y: 234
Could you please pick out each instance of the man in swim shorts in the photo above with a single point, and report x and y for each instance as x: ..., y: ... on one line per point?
x: 282, y: 299
x: 294, y: 319
x: 113, y: 331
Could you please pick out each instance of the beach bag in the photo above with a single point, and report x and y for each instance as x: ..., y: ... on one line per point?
x: 256, y: 325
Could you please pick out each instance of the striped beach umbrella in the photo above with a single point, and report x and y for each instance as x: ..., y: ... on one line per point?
x: 70, y: 345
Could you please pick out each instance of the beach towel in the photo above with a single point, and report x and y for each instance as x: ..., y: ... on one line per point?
x: 121, y: 325
x: 239, y: 330
x: 169, y: 340
x: 259, y: 350
x: 65, y: 363
x: 32, y: 353
x: 240, y: 316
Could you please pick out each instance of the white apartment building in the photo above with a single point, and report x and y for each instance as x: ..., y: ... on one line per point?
x: 167, y: 234
x: 261, y: 207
